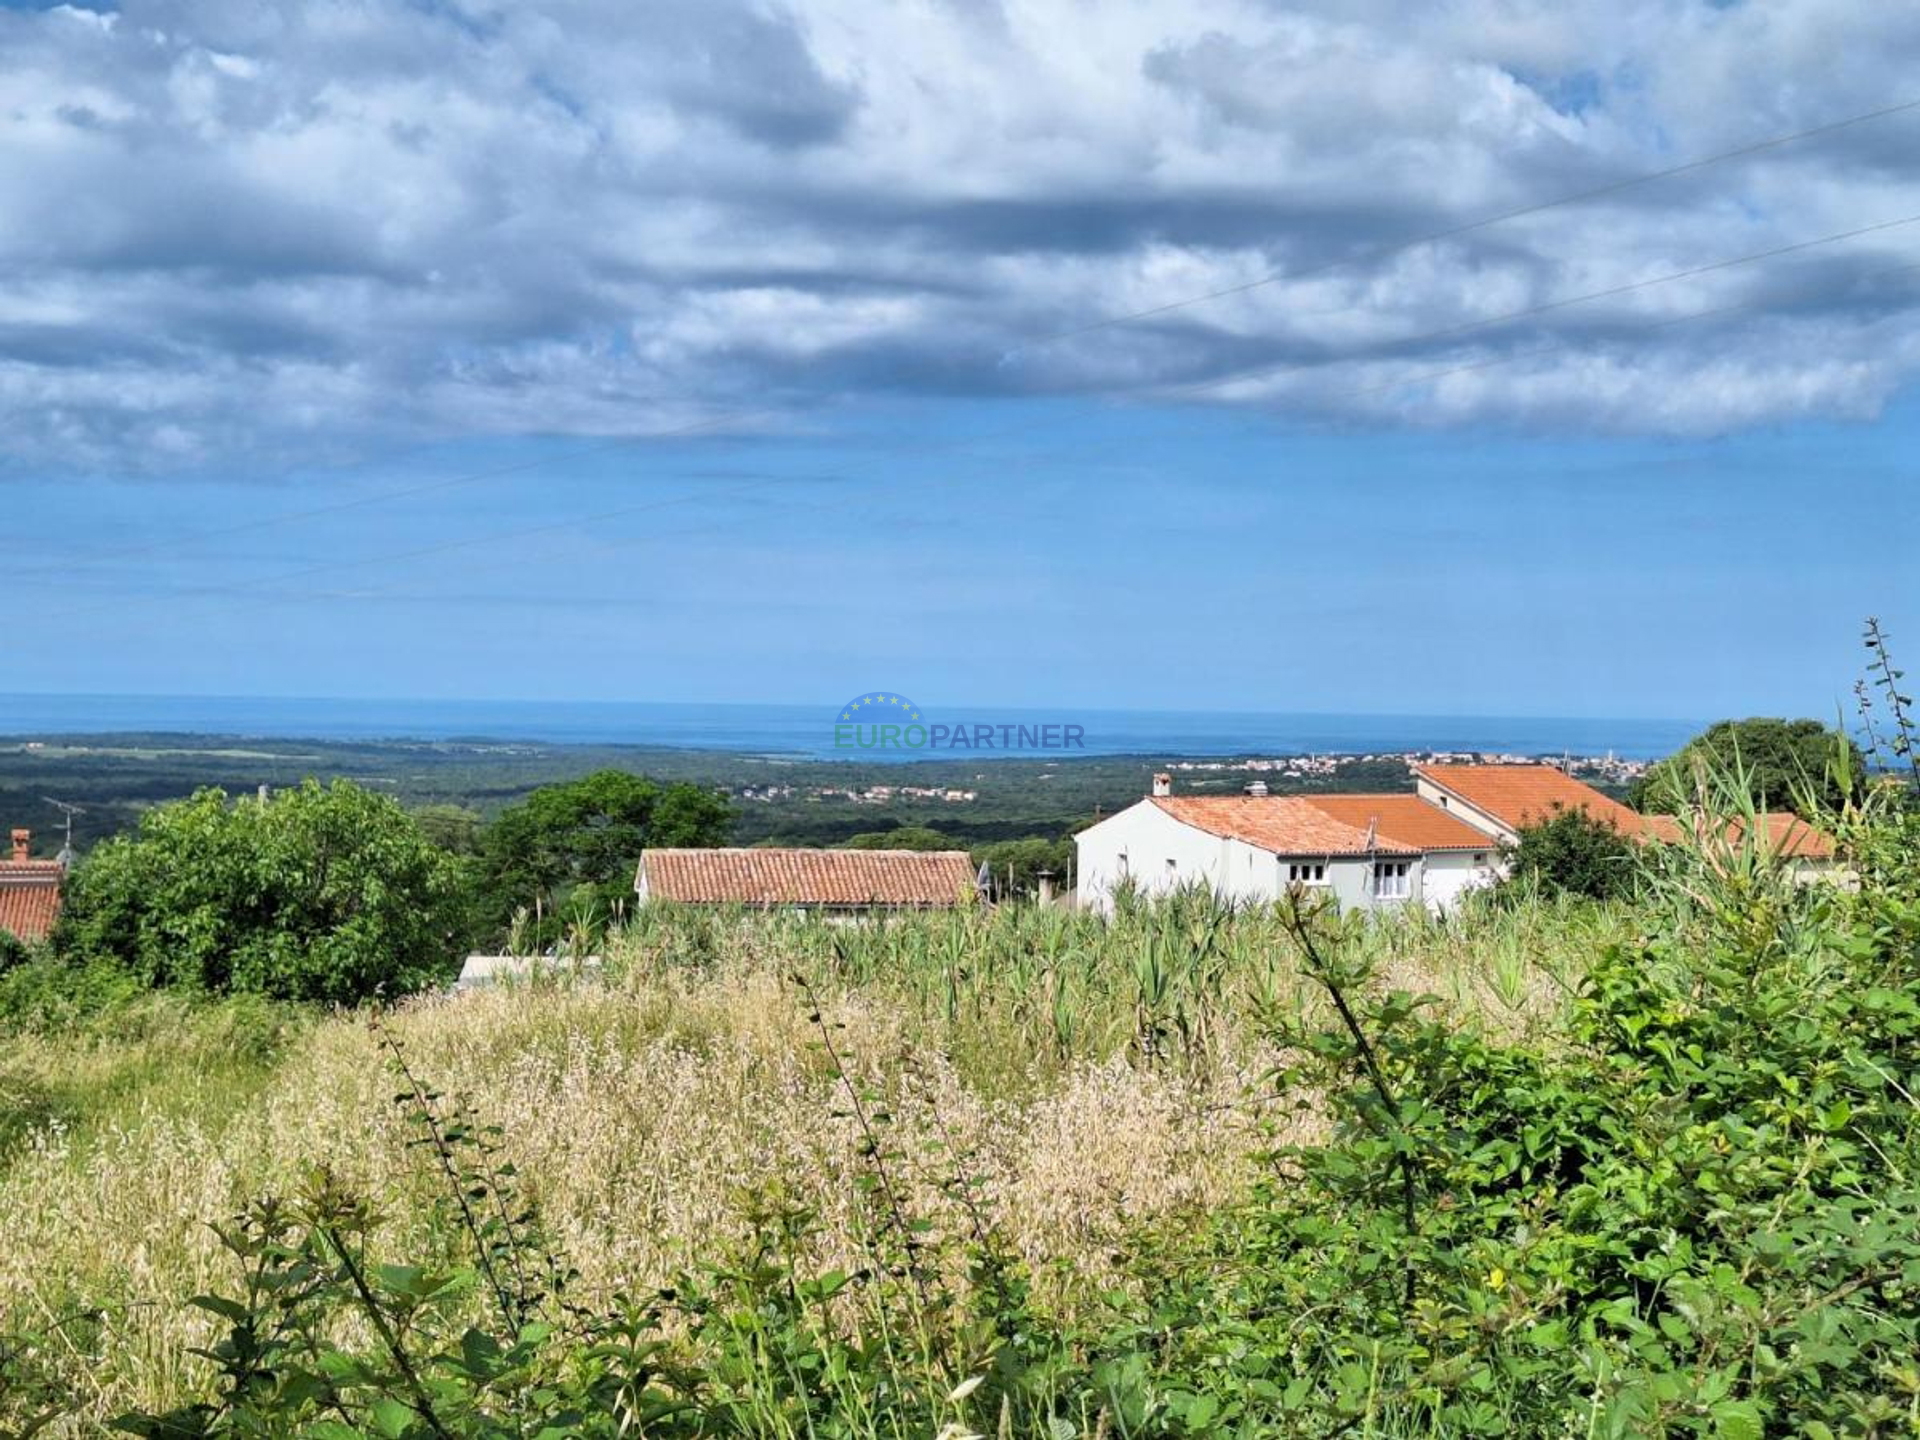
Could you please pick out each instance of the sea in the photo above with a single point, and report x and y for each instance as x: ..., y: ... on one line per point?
x: 808, y: 730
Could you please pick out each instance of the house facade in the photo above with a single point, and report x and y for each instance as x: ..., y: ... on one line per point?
x: 1370, y: 852
x: 1365, y: 852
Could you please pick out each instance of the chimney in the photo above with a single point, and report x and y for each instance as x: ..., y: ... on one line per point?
x: 21, y: 840
x: 1257, y: 789
x: 1163, y: 784
x: 1045, y: 879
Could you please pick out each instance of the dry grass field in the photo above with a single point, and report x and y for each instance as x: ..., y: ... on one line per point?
x: 1098, y: 1082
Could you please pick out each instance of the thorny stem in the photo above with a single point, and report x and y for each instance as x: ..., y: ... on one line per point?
x: 443, y: 1152
x: 1296, y: 921
x: 870, y: 1139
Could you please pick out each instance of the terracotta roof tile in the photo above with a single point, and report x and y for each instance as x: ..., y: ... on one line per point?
x: 1406, y: 819
x: 1522, y: 795
x: 917, y: 879
x: 29, y: 897
x: 1280, y: 824
x: 1787, y: 834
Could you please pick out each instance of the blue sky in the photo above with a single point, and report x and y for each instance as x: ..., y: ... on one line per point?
x: 337, y: 350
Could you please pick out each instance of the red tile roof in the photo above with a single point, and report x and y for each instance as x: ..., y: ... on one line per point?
x: 1787, y: 834
x: 30, y: 897
x: 850, y: 879
x: 1405, y: 819
x: 1522, y: 795
x: 1280, y: 824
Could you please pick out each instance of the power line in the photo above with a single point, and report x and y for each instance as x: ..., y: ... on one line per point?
x: 1548, y: 307
x: 624, y: 511
x: 1400, y: 247
x: 735, y: 418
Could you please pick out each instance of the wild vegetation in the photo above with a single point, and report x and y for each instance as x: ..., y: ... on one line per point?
x: 1556, y: 1165
x: 1077, y: 1085
x: 1631, y: 1168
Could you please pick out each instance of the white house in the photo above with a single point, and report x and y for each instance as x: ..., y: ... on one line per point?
x: 1366, y: 851
x: 1369, y: 851
x: 1503, y: 800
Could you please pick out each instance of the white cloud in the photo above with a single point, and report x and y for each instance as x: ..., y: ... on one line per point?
x: 230, y: 228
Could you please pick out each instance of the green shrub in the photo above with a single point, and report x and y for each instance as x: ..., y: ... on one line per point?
x: 1571, y: 853
x: 1698, y: 1215
x: 1781, y: 764
x: 325, y: 893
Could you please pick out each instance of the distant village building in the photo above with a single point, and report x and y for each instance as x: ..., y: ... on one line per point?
x: 30, y: 891
x: 833, y: 882
x: 1367, y: 852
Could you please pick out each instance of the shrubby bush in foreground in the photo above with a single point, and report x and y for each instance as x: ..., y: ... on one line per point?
x: 325, y: 892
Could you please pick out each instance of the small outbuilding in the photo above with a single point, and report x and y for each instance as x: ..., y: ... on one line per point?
x: 30, y: 891
x: 833, y: 882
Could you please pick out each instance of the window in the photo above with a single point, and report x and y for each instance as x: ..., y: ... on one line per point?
x: 1306, y: 874
x: 1390, y: 880
x: 1480, y: 859
x: 1172, y: 867
x: 1120, y: 865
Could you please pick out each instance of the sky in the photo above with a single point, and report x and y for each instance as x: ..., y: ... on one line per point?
x: 1234, y: 355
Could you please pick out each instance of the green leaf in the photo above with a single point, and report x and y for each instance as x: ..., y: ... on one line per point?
x: 219, y: 1305
x: 1737, y: 1420
x: 391, y: 1418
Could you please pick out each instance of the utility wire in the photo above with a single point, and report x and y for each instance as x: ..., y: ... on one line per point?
x: 1404, y: 382
x: 1469, y: 327
x: 624, y: 511
x: 1400, y: 247
x: 735, y: 418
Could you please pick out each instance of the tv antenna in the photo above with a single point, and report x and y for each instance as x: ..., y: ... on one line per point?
x: 68, y: 811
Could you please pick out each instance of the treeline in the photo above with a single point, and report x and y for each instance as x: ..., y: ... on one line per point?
x: 330, y: 892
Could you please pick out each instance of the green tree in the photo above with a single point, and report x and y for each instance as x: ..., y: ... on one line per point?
x: 903, y: 837
x: 1573, y: 854
x: 1785, y: 763
x: 327, y: 893
x: 573, y: 847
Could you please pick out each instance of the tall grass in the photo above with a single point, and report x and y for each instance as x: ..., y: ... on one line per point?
x: 1098, y: 1082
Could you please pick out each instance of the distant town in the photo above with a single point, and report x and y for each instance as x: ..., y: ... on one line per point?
x: 1606, y: 771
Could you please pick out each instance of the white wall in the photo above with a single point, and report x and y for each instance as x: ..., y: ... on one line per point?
x: 1149, y: 837
x: 1446, y: 875
x: 1462, y: 811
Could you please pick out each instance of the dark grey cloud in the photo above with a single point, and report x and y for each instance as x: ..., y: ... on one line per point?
x: 231, y: 228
